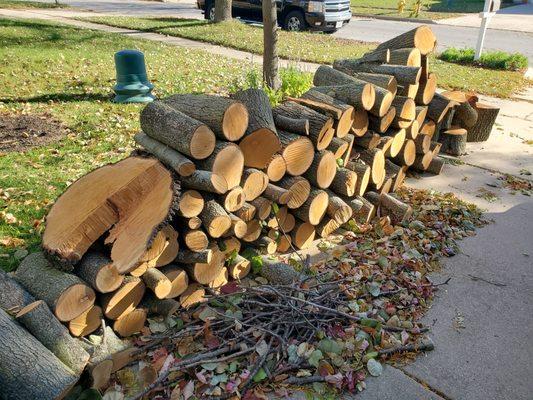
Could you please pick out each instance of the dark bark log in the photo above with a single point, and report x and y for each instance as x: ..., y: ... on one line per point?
x: 435, y: 166
x: 338, y: 209
x: 215, y: 219
x: 422, y: 161
x: 338, y: 147
x: 438, y: 107
x: 98, y: 271
x: 404, y: 75
x: 367, y: 211
x: 345, y: 182
x: 155, y: 280
x: 163, y: 307
x: 465, y: 115
x: 381, y: 124
x: 381, y: 56
x: 421, y: 112
x: 423, y: 144
x: 206, y: 181
x: 369, y: 140
x: 278, y: 273
x: 395, y: 209
x: 13, y: 296
x: 387, y: 82
x: 453, y: 141
x: 298, y: 126
x: 405, y: 56
x: 487, y: 115
x: 350, y: 139
x: 407, y: 154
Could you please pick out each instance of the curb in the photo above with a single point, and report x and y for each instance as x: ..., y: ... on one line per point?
x: 398, y: 19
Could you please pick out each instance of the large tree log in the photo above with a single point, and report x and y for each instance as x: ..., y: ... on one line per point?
x: 265, y: 245
x: 408, y: 90
x: 438, y: 107
x: 13, y: 296
x: 384, y: 144
x: 322, y: 170
x: 124, y: 299
x: 423, y: 144
x: 453, y: 141
x: 227, y: 161
x: 375, y: 159
x: 215, y: 219
x: 87, y: 322
x: 260, y: 141
x: 178, y: 279
x: 277, y: 167
x: 405, y: 56
x: 367, y: 211
x: 465, y: 115
x: 413, y: 130
x: 369, y: 140
x: 487, y: 114
x: 421, y: 38
x: 177, y: 130
x: 378, y: 56
x: 422, y: 161
x: 381, y: 124
x: 66, y: 294
x: 396, y: 172
x: 297, y: 151
x: 395, y: 209
x: 299, y: 126
x: 168, y: 156
x: 253, y: 182
x: 302, y: 235
x: 28, y: 370
x: 299, y: 189
x: 363, y: 172
x: 344, y: 182
x: 314, y: 208
x: 41, y: 323
x: 387, y: 82
x: 319, y: 125
x: 226, y: 117
x: 98, y: 270
x: 134, y: 186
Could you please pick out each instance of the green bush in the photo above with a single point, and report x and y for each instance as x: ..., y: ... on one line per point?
x: 492, y: 59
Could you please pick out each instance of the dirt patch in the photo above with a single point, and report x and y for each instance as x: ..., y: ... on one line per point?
x: 20, y: 132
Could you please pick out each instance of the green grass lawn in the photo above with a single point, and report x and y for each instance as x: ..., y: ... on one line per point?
x: 29, y: 4
x: 319, y: 48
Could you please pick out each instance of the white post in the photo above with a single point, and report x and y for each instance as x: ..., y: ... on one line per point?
x: 481, y: 36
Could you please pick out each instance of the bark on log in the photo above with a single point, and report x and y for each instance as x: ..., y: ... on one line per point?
x: 381, y: 124
x: 314, y: 208
x: 66, y: 294
x: 299, y: 126
x: 239, y: 267
x: 163, y: 307
x: 206, y: 181
x: 247, y: 211
x: 87, y: 322
x: 428, y: 128
x: 215, y: 219
x: 377, y: 56
x: 337, y: 208
x: 350, y: 139
x: 206, y: 272
x: 480, y: 132
x: 178, y: 279
x: 28, y: 370
x: 426, y: 90
x: 191, y: 257
x: 422, y: 161
x: 297, y: 151
x: 44, y: 326
x: 338, y: 147
x: 405, y: 56
x: 238, y: 227
x: 265, y: 245
x: 375, y: 159
x: 155, y: 280
x: 421, y: 112
x: 407, y: 154
x: 395, y: 209
x: 398, y: 138
x: 465, y: 115
x: 367, y: 211
x: 375, y: 101
x: 277, y: 194
x: 435, y: 166
x: 344, y: 182
x: 453, y: 141
x: 404, y: 75
x: 277, y: 167
x: 422, y: 143
x: 98, y: 271
x: 262, y: 206
x: 194, y: 294
x: 413, y: 130
x: 438, y: 107
x: 323, y: 169
x: 408, y: 90
x: 369, y: 140
x: 13, y: 296
x: 227, y: 118
x: 363, y: 172
x: 387, y: 82
x: 363, y: 95
x: 396, y: 172
x: 278, y: 273
x: 177, y: 130
x: 421, y: 38
x: 299, y: 189
x: 227, y: 161
x: 124, y: 299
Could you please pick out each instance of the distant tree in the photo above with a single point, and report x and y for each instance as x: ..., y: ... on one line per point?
x: 222, y: 10
x: 270, y: 44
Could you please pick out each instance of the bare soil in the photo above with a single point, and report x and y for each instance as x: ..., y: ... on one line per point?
x: 20, y: 132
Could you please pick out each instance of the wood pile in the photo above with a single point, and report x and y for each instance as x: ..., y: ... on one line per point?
x: 216, y: 176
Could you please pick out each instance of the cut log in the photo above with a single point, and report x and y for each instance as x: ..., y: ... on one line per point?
x: 396, y: 173
x: 194, y: 294
x: 277, y: 194
x: 344, y: 182
x: 465, y: 115
x: 155, y: 280
x: 338, y: 209
x: 438, y: 107
x: 239, y: 267
x: 130, y: 323
x: 167, y: 155
x: 265, y: 245
x: 360, y: 122
x: 124, y: 299
x: 435, y: 166
x: 422, y: 161
x: 238, y: 227
x: 408, y: 90
x: 178, y: 279
x: 134, y: 186
x: 413, y: 130
x: 104, y: 355
x: 322, y: 170
x: 28, y: 370
x: 375, y: 159
x: 263, y: 206
x: 253, y: 230
x: 227, y: 161
x: 350, y: 139
x: 299, y: 126
x: 260, y: 141
x: 177, y: 130
x: 314, y: 208
x: 387, y: 82
x: 98, y: 271
x: 426, y: 90
x: 253, y: 182
x: 398, y: 138
x: 421, y: 38
x: 191, y: 257
x: 407, y: 155
x: 363, y: 172
x: 206, y: 272
x: 155, y: 249
x: 66, y: 294
x: 193, y: 223
x: 428, y: 128
x: 446, y: 122
x: 384, y: 144
x: 422, y: 143
x: 233, y: 199
x: 297, y: 151
x: 13, y: 297
x: 230, y: 246
x: 287, y: 223
x: 421, y: 112
x: 206, y: 181
x: 381, y: 124
x: 384, y: 188
x: 41, y: 323
x: 285, y: 243
x: 326, y: 227
x: 278, y: 216
x: 319, y: 125
x: 404, y: 75
x: 299, y: 189
x: 220, y: 280
x: 435, y: 148
x: 191, y: 204
x: 480, y: 132
x: 395, y: 209
x: 246, y: 212
x: 338, y: 147
x: 163, y: 307
x: 87, y: 322
x: 302, y: 235
x: 453, y: 141
x: 381, y: 56
x: 369, y: 140
x: 215, y: 219
x: 367, y: 211
x: 350, y: 94
x: 277, y: 167
x: 141, y: 268
x: 196, y: 240
x: 405, y: 56
x: 226, y: 117
x: 405, y: 111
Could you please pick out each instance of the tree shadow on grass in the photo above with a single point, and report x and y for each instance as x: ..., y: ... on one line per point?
x: 58, y: 97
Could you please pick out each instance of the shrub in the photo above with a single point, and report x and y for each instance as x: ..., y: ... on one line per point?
x: 491, y: 59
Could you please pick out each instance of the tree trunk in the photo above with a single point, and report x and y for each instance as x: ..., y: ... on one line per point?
x: 422, y: 161
x: 215, y: 219
x: 423, y: 144
x: 270, y: 45
x: 314, y: 208
x: 297, y: 151
x: 124, y: 299
x: 87, y: 322
x: 277, y: 167
x: 480, y: 132
x: 421, y: 112
x: 178, y: 279
x: 28, y: 370
x: 300, y: 126
x: 395, y: 209
x: 13, y: 296
x: 322, y: 171
x: 222, y: 10
x: 438, y: 107
x: 98, y: 270
x: 396, y: 172
x: 405, y: 56
x: 421, y: 38
x: 408, y: 90
x: 206, y: 272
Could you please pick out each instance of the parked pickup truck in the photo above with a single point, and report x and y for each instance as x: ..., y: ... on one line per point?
x: 293, y: 15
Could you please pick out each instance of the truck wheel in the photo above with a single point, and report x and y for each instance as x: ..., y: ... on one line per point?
x: 210, y: 11
x: 294, y: 21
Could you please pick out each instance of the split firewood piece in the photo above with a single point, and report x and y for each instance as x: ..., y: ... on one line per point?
x: 413, y: 130
x: 322, y: 171
x: 326, y: 227
x: 206, y: 272
x: 194, y: 294
x: 277, y: 167
x: 405, y: 111
x: 233, y: 199
x: 435, y: 166
x: 438, y: 107
x: 130, y: 323
x: 206, y: 181
x: 337, y: 208
x: 465, y: 115
x: 215, y: 219
x: 239, y: 267
x: 98, y: 271
x: 408, y: 90
x: 277, y: 194
x: 163, y: 307
x: 246, y: 212
x: 196, y: 239
x: 253, y: 230
x: 229, y: 246
x: 66, y: 294
x: 265, y: 245
x: 167, y: 155
x: 299, y: 189
x: 319, y: 125
x: 262, y: 206
x: 238, y: 227
x: 227, y: 161
x: 177, y: 130
x: 396, y: 173
x: 387, y: 82
x: 142, y: 268
x: 253, y: 182
x: 338, y: 147
x: 423, y: 144
x: 314, y: 208
x: 178, y: 279
x: 297, y: 151
x: 124, y: 299
x: 191, y: 257
x: 299, y: 126
x: 155, y: 280
x: 453, y: 141
x: 398, y: 138
x: 221, y: 280
x: 191, y: 204
x: 363, y: 172
x: 13, y: 297
x: 426, y: 90
x: 41, y: 323
x: 375, y: 159
x: 260, y: 141
x: 302, y: 235
x: 404, y: 75
x: 367, y: 211
x: 350, y: 139
x: 339, y: 111
x: 407, y: 154
x: 226, y: 117
x: 427, y: 128
x: 406, y: 56
x: 421, y: 38
x: 87, y: 322
x: 422, y: 161
x: 360, y: 122
x: 28, y: 370
x: 369, y: 140
x: 344, y: 182
x: 133, y: 186
x: 381, y: 124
